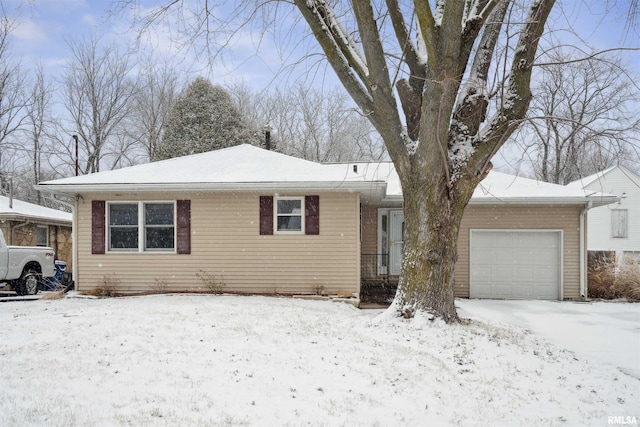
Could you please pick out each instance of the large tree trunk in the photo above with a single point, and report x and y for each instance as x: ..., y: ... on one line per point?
x: 443, y: 147
x: 432, y: 214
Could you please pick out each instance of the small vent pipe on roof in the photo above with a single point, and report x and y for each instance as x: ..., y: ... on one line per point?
x: 267, y: 137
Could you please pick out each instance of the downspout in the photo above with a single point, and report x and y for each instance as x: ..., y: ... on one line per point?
x: 74, y: 239
x: 13, y: 229
x: 583, y: 250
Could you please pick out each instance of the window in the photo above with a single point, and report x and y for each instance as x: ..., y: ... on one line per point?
x: 619, y: 223
x: 289, y: 214
x: 141, y: 226
x: 158, y: 226
x: 42, y: 235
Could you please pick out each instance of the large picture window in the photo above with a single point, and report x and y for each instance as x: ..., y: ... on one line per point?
x: 141, y: 226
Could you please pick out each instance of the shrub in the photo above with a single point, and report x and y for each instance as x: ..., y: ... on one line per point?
x: 211, y: 282
x: 107, y: 287
x: 607, y: 280
x: 159, y: 285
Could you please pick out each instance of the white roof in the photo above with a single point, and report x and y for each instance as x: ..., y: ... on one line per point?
x: 588, y: 180
x: 243, y: 167
x: 32, y: 211
x: 246, y: 167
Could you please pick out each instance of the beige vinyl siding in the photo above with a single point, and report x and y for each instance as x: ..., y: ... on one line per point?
x: 565, y: 218
x: 369, y: 229
x: 225, y: 242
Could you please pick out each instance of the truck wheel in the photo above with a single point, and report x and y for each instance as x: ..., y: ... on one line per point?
x: 18, y: 286
x: 29, y: 282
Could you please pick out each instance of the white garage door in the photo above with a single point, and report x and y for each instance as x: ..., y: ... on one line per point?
x: 515, y: 264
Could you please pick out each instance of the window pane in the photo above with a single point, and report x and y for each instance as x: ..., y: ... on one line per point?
x: 42, y: 236
x: 123, y: 214
x: 290, y: 223
x: 619, y: 223
x: 159, y: 238
x: 289, y: 207
x: 158, y: 213
x: 123, y: 238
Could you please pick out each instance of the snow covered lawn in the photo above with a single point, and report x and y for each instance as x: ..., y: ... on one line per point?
x: 602, y: 331
x: 234, y: 361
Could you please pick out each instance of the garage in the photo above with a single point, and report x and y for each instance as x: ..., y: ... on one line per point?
x: 515, y: 264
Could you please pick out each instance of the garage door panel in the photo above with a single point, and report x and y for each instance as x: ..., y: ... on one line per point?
x: 515, y: 264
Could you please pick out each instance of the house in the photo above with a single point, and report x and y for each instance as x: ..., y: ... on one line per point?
x: 263, y: 222
x: 615, y: 228
x: 28, y: 224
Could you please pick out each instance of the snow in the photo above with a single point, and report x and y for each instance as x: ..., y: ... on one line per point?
x: 20, y: 208
x: 233, y: 360
x: 246, y: 167
x: 608, y: 332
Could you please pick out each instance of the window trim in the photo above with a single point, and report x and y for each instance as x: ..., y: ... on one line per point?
x: 302, y: 216
x: 46, y: 230
x: 616, y: 226
x: 142, y: 227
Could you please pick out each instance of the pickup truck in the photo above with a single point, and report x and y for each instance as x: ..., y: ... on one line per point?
x: 23, y: 267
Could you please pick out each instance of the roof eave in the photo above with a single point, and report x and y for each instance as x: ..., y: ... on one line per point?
x: 342, y: 186
x: 600, y: 201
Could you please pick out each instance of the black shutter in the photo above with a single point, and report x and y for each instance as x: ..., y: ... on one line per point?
x: 266, y: 215
x: 97, y: 227
x: 183, y: 231
x: 312, y: 215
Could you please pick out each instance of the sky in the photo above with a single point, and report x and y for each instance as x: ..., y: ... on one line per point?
x: 44, y: 28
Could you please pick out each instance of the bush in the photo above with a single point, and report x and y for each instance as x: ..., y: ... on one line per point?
x: 107, y: 288
x: 211, y: 282
x: 607, y: 280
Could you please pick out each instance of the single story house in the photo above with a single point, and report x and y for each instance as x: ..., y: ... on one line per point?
x: 263, y: 222
x: 28, y: 224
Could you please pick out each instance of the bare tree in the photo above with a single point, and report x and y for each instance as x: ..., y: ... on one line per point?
x: 438, y: 58
x: 157, y: 92
x: 311, y: 124
x: 13, y: 99
x: 98, y: 97
x: 37, y: 122
x: 582, y: 118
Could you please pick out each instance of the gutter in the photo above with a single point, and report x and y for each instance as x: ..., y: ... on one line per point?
x: 13, y: 229
x: 583, y: 250
x: 218, y: 186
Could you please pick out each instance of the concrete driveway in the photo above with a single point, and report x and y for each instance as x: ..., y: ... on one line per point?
x: 601, y: 331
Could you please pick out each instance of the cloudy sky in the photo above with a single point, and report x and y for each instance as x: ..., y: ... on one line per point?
x: 44, y: 27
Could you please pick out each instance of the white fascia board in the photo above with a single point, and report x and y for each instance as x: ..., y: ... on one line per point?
x: 341, y: 186
x: 600, y: 201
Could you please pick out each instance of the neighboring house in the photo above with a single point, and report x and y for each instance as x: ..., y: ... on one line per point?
x: 615, y: 227
x: 263, y: 222
x: 28, y: 224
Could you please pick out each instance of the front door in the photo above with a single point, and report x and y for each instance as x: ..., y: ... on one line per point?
x: 396, y: 240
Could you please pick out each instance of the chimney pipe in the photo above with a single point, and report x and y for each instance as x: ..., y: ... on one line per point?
x: 11, y: 193
x: 267, y: 137
x: 75, y: 138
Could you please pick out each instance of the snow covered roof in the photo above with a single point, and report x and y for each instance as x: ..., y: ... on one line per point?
x: 243, y: 167
x: 32, y: 211
x: 588, y: 180
x: 246, y: 167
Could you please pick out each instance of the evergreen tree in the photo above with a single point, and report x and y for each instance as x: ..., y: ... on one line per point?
x: 204, y: 118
